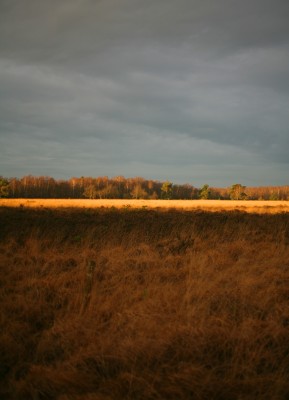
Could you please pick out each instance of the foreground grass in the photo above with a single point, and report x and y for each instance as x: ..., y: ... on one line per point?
x: 138, y: 304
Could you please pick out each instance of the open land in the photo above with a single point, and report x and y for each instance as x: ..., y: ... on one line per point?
x: 117, y: 302
x: 256, y: 206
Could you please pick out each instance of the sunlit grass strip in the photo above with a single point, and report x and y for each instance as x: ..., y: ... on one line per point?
x: 211, y: 205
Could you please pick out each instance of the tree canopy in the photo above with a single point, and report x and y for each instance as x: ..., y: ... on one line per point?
x: 4, y: 187
x: 103, y: 187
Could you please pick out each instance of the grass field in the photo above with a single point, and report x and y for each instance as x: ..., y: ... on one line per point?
x: 138, y: 303
x: 210, y: 205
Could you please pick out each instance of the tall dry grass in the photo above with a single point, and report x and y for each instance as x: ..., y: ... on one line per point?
x: 138, y: 304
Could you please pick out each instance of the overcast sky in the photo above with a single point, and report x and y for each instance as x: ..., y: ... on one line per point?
x: 191, y: 91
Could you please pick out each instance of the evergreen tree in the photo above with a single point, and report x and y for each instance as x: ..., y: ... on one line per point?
x: 205, y: 192
x: 167, y: 190
x: 4, y: 187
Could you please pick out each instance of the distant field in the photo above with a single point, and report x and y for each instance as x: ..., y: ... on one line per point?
x: 211, y: 205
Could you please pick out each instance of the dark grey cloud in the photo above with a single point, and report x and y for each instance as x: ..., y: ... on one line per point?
x: 190, y: 90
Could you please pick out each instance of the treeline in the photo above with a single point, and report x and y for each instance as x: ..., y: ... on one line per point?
x: 126, y: 188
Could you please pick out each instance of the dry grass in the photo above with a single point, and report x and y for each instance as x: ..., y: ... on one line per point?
x: 143, y: 304
x: 209, y: 205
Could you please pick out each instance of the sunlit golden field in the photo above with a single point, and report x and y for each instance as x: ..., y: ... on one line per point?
x: 141, y: 303
x: 210, y: 205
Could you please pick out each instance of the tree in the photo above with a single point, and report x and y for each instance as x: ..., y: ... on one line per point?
x: 90, y: 192
x: 237, y: 192
x: 274, y: 196
x: 167, y: 190
x: 13, y: 187
x: 138, y: 192
x: 205, y: 192
x: 4, y: 187
x: 154, y: 196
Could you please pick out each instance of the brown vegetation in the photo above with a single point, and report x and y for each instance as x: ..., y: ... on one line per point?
x: 143, y: 304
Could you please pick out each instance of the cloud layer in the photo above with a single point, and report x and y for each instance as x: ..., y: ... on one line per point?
x: 190, y: 90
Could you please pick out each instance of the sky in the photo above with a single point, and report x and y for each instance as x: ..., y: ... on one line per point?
x: 191, y: 91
